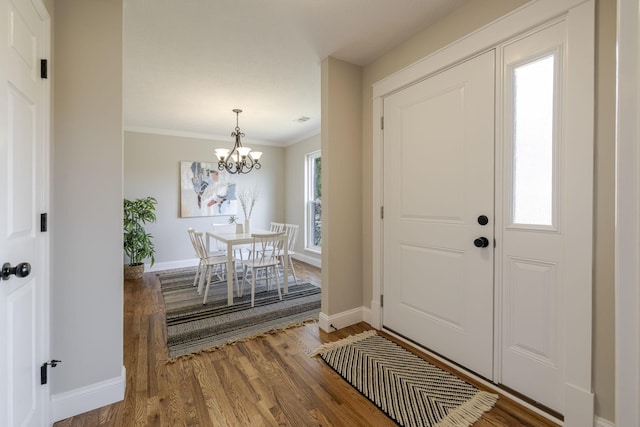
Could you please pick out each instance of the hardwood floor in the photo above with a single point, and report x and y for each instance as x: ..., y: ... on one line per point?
x: 265, y: 381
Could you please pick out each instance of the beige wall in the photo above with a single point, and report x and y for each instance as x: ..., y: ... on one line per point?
x: 86, y: 227
x: 604, y: 200
x: 462, y: 21
x: 152, y: 168
x: 296, y: 157
x: 342, y: 186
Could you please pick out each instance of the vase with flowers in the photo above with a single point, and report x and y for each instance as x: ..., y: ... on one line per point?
x: 247, y: 198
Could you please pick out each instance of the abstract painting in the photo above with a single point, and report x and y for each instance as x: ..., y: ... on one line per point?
x: 206, y: 191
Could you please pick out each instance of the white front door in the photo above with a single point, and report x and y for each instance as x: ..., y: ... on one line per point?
x: 24, y: 301
x: 439, y: 204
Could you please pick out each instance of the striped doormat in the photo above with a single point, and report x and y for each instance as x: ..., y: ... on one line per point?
x: 410, y: 390
x: 193, y: 327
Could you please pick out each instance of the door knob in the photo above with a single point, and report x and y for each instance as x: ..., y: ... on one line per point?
x: 481, y: 242
x: 21, y: 270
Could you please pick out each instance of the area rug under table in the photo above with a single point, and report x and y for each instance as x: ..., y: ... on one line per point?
x: 410, y: 390
x: 194, y: 327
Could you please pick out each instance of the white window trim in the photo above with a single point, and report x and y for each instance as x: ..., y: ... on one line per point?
x: 308, y: 213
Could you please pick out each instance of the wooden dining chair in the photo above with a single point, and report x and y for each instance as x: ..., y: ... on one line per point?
x: 263, y: 257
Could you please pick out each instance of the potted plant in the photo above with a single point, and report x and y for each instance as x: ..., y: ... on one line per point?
x: 234, y: 220
x: 138, y: 244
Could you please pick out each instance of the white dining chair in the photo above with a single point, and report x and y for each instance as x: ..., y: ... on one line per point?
x: 276, y: 227
x: 262, y: 258
x: 291, y: 230
x: 200, y: 268
x: 210, y: 263
x: 192, y: 238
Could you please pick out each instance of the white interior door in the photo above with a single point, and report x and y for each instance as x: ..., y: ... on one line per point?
x: 23, y: 300
x: 438, y: 181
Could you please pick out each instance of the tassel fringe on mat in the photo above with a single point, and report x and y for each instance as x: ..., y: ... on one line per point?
x: 173, y: 360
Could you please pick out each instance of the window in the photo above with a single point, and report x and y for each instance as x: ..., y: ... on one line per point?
x: 313, y: 230
x: 533, y: 145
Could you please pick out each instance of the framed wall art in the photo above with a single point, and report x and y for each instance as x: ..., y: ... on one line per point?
x: 206, y: 191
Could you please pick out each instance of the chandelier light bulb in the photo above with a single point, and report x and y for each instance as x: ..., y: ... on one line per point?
x: 222, y: 153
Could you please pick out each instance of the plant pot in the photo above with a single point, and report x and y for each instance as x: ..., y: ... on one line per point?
x: 133, y: 272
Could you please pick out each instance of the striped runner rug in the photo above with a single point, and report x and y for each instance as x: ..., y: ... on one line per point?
x: 409, y: 389
x: 193, y: 327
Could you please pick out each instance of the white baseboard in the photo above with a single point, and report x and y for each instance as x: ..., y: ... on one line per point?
x: 171, y: 265
x: 88, y: 398
x: 308, y: 259
x: 342, y: 320
x: 601, y: 422
x: 324, y: 322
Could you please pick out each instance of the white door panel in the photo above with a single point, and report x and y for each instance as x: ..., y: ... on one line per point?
x: 438, y: 160
x: 532, y: 356
x: 23, y: 300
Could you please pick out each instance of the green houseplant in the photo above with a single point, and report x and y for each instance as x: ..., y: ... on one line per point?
x: 138, y: 244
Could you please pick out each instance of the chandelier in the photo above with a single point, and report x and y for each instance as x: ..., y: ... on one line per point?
x: 240, y: 159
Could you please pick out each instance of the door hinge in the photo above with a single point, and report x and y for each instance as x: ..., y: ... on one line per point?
x: 382, y: 122
x: 381, y: 212
x: 381, y: 300
x: 43, y: 222
x: 43, y: 69
x: 43, y: 370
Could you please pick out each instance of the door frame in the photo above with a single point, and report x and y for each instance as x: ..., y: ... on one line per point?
x: 47, y: 179
x: 579, y: 15
x: 627, y: 233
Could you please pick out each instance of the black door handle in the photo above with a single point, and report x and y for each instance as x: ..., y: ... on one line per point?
x: 481, y: 242
x: 21, y: 270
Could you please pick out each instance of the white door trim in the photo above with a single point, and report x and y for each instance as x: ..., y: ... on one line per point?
x: 578, y: 304
x: 47, y: 176
x: 627, y: 232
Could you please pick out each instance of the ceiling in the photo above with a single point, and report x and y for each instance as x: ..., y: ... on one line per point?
x: 189, y: 63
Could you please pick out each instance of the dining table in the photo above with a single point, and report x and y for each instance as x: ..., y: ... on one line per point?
x: 235, y: 238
